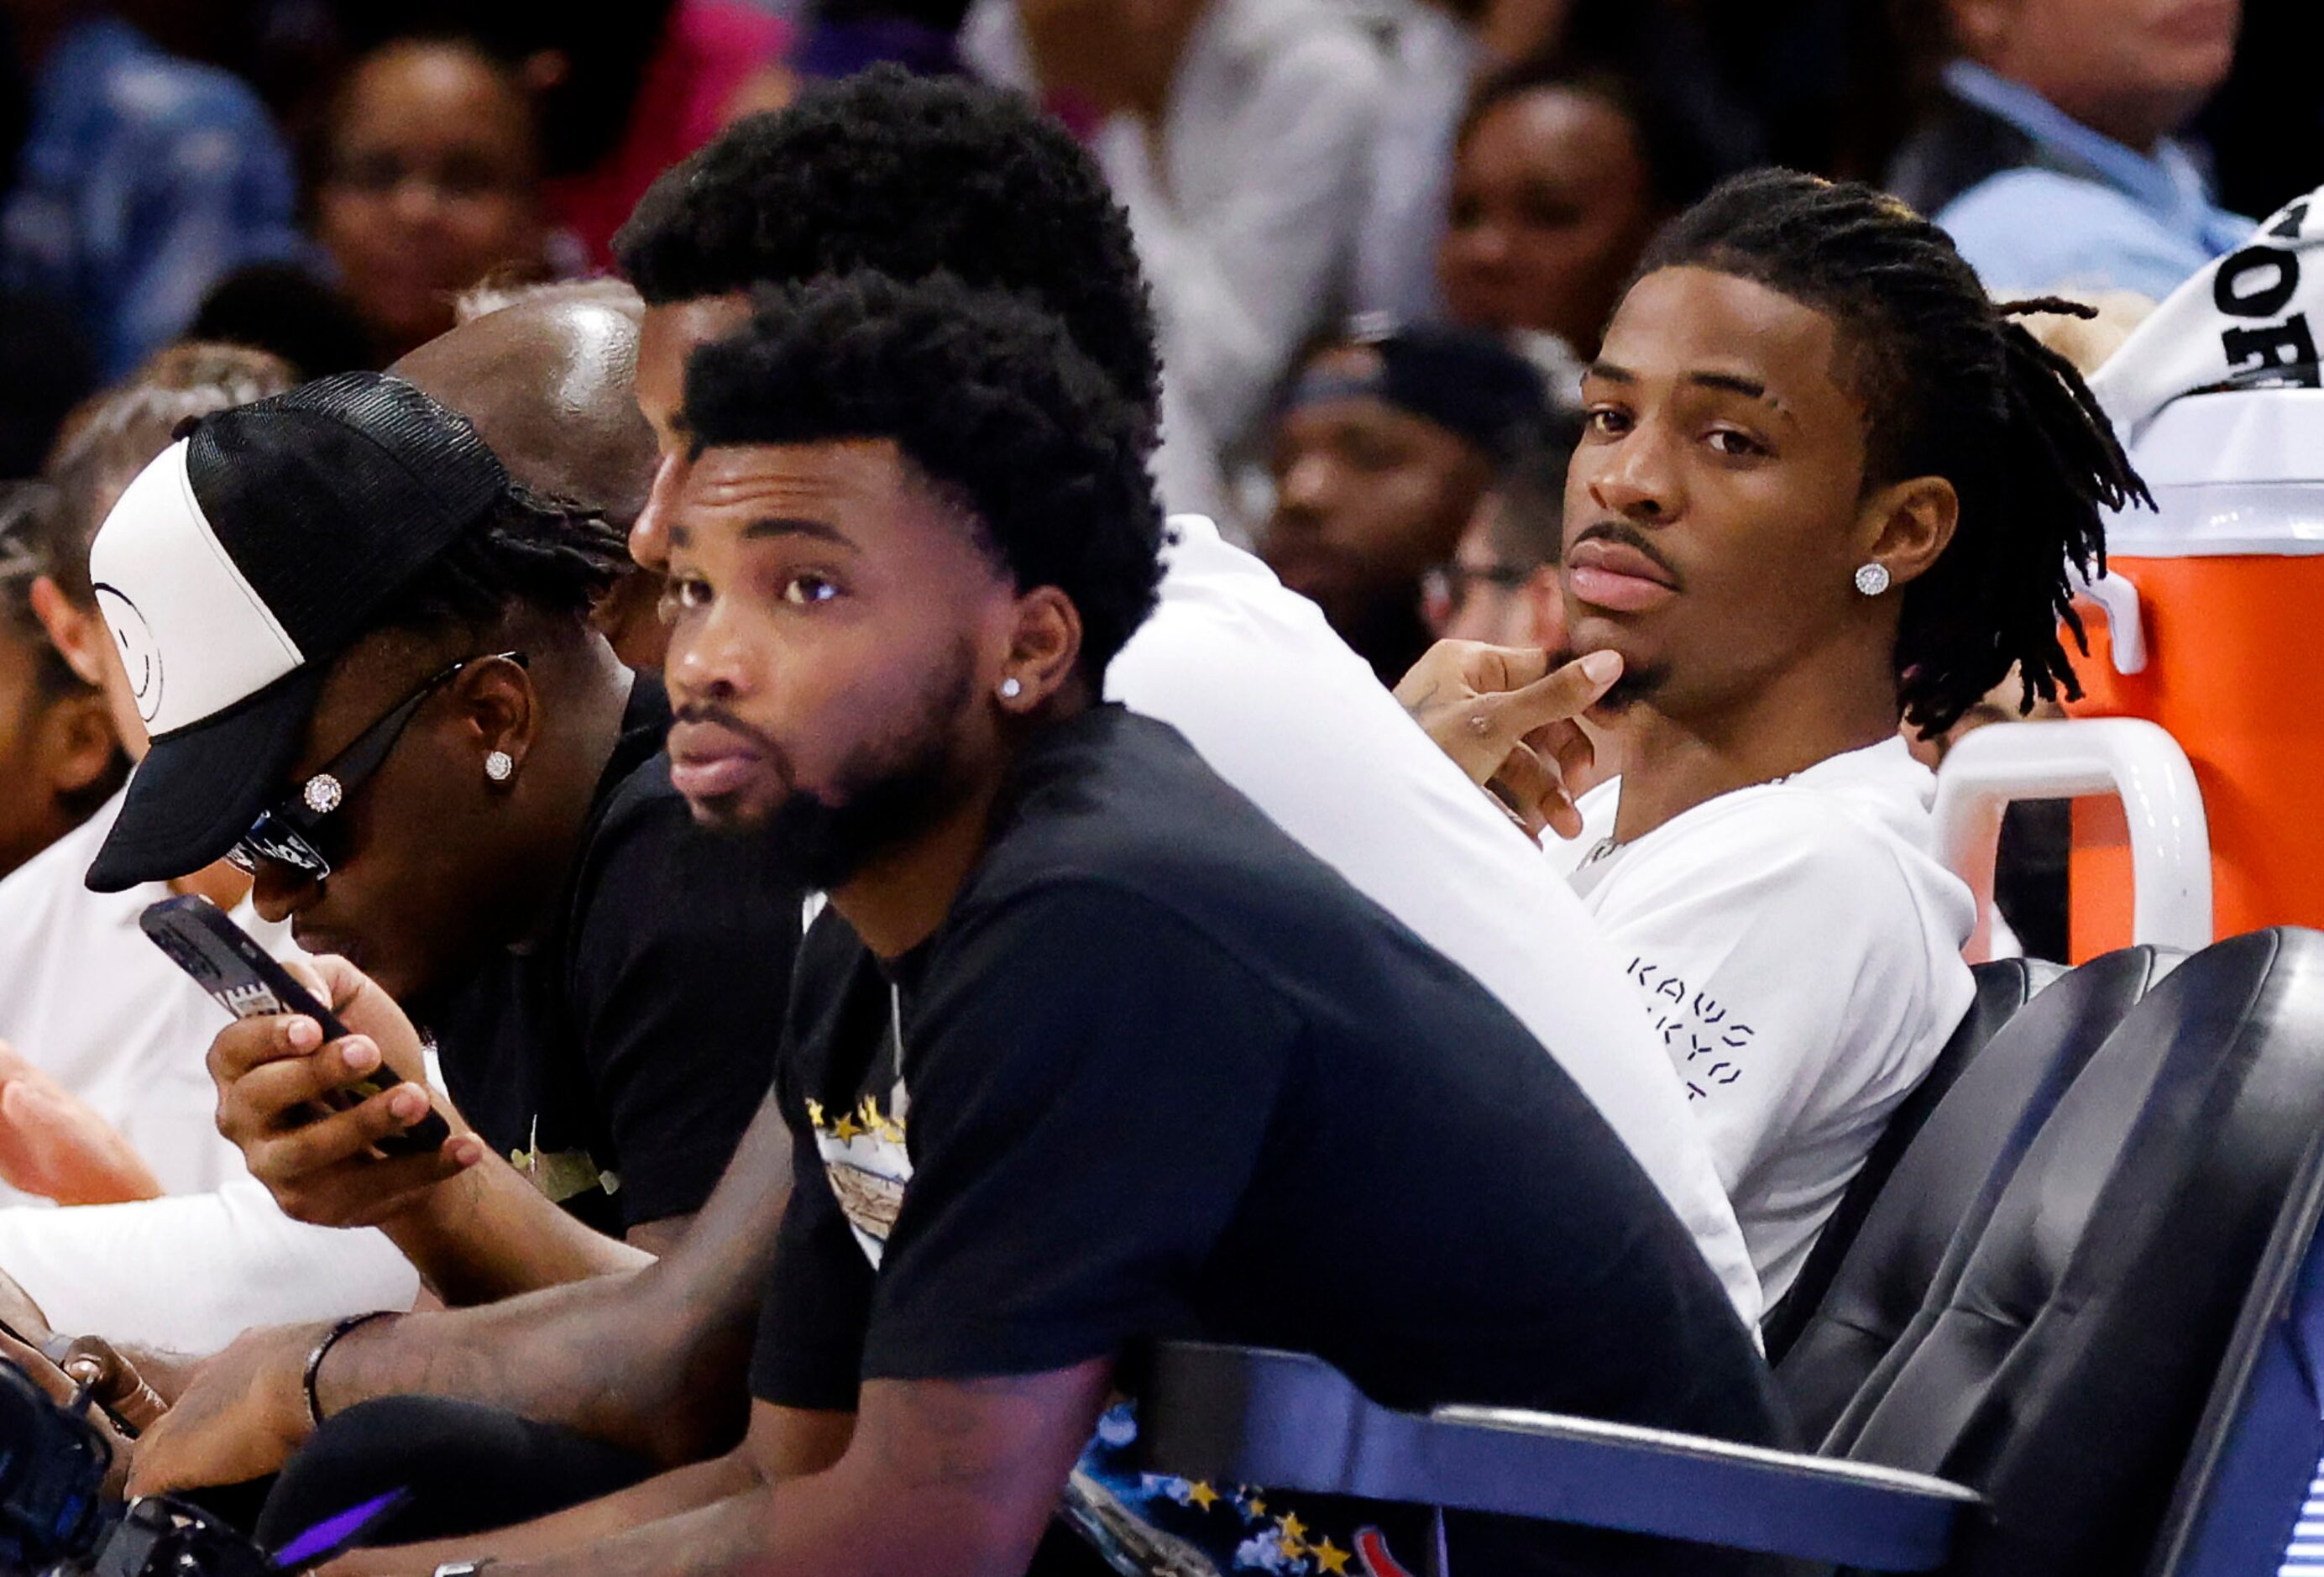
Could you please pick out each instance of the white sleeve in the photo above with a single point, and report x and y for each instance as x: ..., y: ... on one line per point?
x: 190, y: 1272
x: 1780, y: 956
x: 1242, y: 289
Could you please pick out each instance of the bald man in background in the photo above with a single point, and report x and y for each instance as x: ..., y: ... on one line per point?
x: 547, y: 379
x: 547, y: 373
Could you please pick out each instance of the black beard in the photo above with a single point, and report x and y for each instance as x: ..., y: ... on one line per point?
x: 889, y: 795
x: 1635, y: 686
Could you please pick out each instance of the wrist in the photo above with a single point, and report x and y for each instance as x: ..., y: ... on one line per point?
x: 436, y: 1223
x: 318, y: 1396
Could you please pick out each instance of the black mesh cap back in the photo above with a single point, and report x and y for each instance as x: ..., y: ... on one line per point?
x: 333, y: 496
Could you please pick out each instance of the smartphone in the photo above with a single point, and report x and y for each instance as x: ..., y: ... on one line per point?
x: 244, y: 980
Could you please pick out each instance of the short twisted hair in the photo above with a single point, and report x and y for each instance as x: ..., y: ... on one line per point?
x: 1953, y: 386
x: 907, y: 176
x: 533, y: 552
x: 986, y: 396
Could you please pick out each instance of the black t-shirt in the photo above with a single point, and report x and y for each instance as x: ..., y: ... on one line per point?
x: 1162, y: 1072
x: 618, y: 1060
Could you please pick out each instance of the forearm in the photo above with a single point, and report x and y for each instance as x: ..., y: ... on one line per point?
x: 658, y: 1499
x: 732, y: 1536
x: 656, y: 1360
x: 626, y: 1358
x: 811, y: 1528
x: 957, y: 1477
x: 488, y: 1235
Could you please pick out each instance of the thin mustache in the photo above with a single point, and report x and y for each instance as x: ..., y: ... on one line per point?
x: 1630, y: 536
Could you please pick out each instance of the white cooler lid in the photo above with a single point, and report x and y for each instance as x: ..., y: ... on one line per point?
x: 2236, y: 472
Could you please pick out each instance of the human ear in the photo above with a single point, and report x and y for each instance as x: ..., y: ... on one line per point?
x: 1909, y: 525
x: 500, y: 716
x: 75, y: 633
x: 78, y: 743
x: 1044, y: 646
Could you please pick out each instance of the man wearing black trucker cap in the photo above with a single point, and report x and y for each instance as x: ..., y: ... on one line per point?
x: 367, y: 659
x: 1390, y: 440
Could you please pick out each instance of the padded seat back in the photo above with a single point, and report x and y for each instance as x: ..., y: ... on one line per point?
x: 1943, y: 1186
x: 2252, y: 1497
x: 2002, y: 987
x: 2066, y: 1371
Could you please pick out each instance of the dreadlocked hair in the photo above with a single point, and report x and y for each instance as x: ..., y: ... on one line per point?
x: 533, y: 553
x: 1952, y: 386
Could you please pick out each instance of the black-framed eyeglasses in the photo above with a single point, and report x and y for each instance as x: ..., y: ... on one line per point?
x: 292, y: 834
x: 1444, y: 589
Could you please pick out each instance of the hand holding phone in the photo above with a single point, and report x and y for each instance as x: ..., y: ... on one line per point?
x: 248, y: 983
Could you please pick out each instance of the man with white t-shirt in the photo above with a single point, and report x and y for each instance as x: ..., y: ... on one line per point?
x: 1825, y: 484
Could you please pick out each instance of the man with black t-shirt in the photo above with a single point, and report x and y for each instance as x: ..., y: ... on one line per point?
x: 1088, y: 1049
x: 374, y: 678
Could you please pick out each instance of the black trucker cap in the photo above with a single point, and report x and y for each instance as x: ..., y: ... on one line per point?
x: 238, y: 564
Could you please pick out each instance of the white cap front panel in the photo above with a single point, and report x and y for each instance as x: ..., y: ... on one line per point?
x: 193, y: 635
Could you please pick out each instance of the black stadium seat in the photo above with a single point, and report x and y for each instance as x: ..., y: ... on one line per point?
x: 2003, y: 986
x: 2252, y: 1499
x: 2064, y: 1375
x: 1944, y: 1183
x: 2078, y: 1367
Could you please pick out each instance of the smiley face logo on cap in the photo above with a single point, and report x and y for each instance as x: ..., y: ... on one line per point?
x: 141, y: 657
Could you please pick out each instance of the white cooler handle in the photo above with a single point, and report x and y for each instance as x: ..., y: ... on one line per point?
x: 2115, y: 597
x: 2135, y: 760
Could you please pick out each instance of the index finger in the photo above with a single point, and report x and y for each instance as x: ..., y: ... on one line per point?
x: 1556, y: 696
x: 1496, y: 670
x: 251, y: 1043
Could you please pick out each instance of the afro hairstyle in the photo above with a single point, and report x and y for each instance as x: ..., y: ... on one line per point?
x: 985, y: 396
x: 909, y: 177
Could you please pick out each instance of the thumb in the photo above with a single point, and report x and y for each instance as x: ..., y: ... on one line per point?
x: 1557, y: 696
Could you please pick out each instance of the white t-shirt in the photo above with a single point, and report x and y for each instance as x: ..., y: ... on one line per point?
x: 1247, y: 204
x: 1279, y: 707
x: 86, y: 998
x: 91, y: 1001
x: 1799, y: 949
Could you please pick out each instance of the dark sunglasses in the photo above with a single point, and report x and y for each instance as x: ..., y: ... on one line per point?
x: 291, y: 833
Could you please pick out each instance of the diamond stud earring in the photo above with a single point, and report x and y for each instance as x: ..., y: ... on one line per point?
x: 322, y: 794
x: 500, y: 765
x: 1872, y: 580
x: 1011, y: 689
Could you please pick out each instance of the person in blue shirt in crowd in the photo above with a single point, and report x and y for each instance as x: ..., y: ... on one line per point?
x: 140, y: 179
x: 2052, y: 160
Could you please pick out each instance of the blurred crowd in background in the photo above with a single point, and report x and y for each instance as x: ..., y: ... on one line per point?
x: 1383, y: 234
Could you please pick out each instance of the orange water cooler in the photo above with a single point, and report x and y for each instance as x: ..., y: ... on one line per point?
x: 2226, y: 587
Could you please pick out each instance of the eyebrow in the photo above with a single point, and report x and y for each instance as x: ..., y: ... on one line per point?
x: 1734, y: 383
x: 1731, y: 382
x: 794, y: 526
